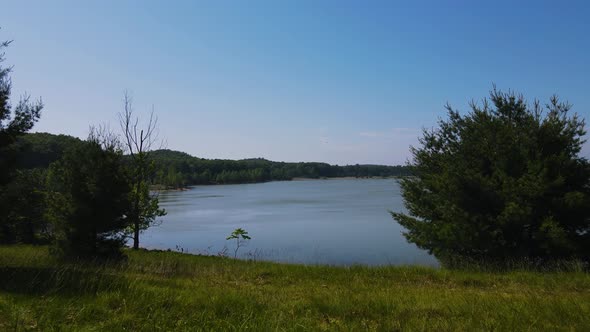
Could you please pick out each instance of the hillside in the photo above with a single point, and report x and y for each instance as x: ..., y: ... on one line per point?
x: 38, y: 150
x: 179, y: 169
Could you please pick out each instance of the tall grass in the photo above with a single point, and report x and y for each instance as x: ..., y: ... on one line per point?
x: 521, y: 264
x: 163, y: 291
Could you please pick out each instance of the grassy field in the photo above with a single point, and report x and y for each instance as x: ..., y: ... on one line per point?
x: 163, y: 291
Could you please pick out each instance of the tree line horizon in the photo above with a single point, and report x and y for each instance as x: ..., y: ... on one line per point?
x: 176, y: 169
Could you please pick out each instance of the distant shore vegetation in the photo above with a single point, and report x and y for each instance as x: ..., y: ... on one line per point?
x: 175, y: 169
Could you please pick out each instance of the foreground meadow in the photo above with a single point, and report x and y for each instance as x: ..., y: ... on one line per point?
x: 163, y: 291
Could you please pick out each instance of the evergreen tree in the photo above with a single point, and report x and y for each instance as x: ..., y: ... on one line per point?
x: 88, y: 201
x: 13, y: 123
x: 26, y: 113
x: 25, y: 195
x: 504, y: 181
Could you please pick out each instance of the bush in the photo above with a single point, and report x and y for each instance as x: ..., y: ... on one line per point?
x: 88, y: 202
x: 24, y: 221
x: 503, y: 182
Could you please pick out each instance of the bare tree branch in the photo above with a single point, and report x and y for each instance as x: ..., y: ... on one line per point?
x: 103, y: 135
x: 137, y: 140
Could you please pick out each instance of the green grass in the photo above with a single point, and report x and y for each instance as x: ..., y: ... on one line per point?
x: 163, y: 291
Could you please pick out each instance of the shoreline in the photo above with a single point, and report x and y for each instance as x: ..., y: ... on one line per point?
x: 158, y: 188
x: 344, y: 178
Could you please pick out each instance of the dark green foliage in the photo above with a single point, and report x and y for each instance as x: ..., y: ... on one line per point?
x: 177, y: 169
x: 174, y: 169
x: 23, y: 195
x: 39, y: 150
x: 24, y: 221
x: 88, y: 200
x: 503, y: 182
x: 13, y: 123
x: 145, y: 206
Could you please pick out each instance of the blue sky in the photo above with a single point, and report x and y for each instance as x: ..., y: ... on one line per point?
x: 337, y: 81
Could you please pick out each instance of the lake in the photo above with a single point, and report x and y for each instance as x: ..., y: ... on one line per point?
x: 336, y: 222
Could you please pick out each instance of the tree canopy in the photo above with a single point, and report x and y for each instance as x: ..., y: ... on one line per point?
x: 177, y: 169
x: 88, y: 201
x: 14, y: 122
x: 505, y: 181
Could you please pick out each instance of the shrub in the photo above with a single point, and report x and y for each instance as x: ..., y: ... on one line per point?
x: 503, y: 182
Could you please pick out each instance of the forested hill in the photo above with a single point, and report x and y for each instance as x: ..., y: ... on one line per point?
x: 38, y: 150
x: 179, y: 169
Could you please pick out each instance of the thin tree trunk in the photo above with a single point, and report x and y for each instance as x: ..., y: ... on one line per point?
x: 136, y: 221
x: 136, y: 235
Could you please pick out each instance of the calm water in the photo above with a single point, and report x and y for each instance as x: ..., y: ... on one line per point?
x: 337, y: 222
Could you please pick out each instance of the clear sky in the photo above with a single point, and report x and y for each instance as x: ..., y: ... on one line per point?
x: 336, y: 81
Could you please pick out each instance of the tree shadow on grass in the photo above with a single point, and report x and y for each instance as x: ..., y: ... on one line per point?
x: 59, y: 280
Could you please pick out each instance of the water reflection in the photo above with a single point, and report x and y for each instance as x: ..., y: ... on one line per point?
x: 339, y: 222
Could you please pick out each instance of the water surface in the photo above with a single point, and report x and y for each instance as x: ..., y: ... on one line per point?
x: 337, y: 222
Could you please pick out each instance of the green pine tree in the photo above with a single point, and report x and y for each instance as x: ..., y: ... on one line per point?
x: 503, y: 182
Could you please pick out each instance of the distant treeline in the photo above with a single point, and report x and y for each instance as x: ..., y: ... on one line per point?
x: 176, y: 169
